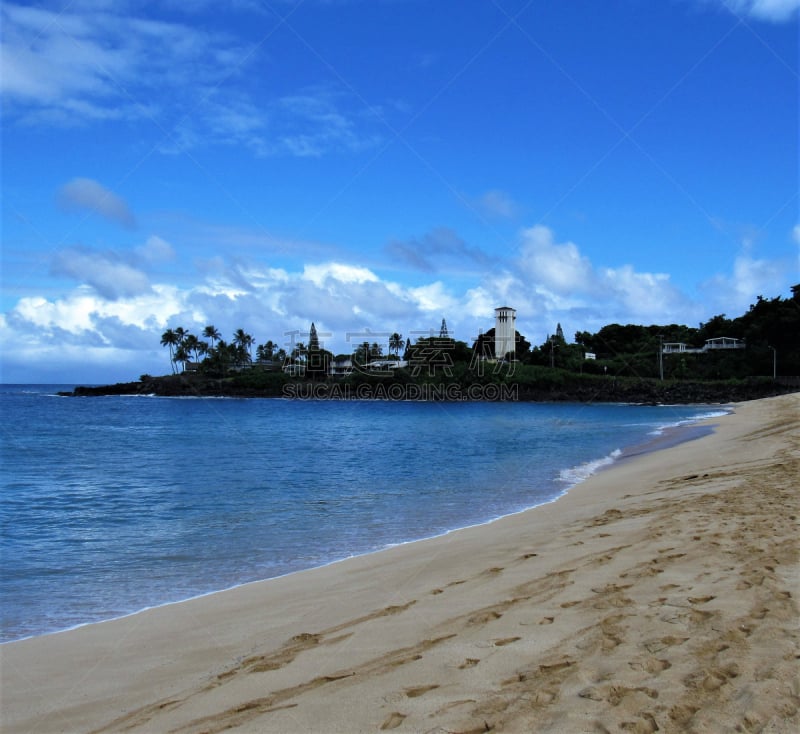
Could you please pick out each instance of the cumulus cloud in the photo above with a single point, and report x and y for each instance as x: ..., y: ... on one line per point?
x: 85, y: 194
x: 434, y: 298
x: 320, y: 274
x: 117, y: 314
x: 649, y: 297
x: 79, y: 312
x: 558, y: 266
x: 748, y: 278
x: 106, y: 272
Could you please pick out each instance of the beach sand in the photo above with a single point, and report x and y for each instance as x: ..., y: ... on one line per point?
x: 659, y: 595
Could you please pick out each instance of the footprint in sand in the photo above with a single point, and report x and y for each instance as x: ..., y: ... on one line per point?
x: 420, y: 690
x: 484, y: 617
x: 393, y: 720
x: 505, y: 641
x: 645, y: 724
x: 651, y: 665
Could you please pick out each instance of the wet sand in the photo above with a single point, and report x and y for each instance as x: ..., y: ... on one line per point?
x: 659, y: 595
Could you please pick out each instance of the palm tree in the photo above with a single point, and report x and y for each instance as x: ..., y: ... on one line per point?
x: 170, y: 339
x: 299, y: 352
x: 221, y: 356
x: 265, y: 352
x: 362, y: 353
x: 192, y: 345
x: 396, y: 343
x: 211, y: 332
x: 182, y: 355
x: 243, y: 341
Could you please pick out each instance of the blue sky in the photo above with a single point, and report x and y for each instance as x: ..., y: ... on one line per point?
x: 378, y: 165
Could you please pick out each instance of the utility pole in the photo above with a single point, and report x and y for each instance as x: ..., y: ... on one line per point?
x: 774, y: 363
x: 661, y: 356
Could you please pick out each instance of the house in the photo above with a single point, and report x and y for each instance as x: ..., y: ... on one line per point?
x: 382, y: 365
x: 719, y: 342
x: 724, y: 342
x: 340, y: 366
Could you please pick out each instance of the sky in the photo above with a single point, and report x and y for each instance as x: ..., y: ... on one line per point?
x: 375, y: 166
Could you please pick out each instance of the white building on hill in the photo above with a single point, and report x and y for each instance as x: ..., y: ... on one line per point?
x: 505, y: 331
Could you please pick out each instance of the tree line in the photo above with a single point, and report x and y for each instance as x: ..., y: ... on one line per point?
x: 211, y: 354
x: 770, y: 329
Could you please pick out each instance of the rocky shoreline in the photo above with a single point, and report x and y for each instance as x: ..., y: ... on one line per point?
x: 583, y: 390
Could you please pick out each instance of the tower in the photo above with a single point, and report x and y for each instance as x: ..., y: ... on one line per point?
x: 505, y: 331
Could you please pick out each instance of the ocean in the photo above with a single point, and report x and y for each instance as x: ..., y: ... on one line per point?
x: 110, y: 505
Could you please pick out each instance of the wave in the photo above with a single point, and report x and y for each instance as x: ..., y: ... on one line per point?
x: 658, y: 428
x: 577, y: 474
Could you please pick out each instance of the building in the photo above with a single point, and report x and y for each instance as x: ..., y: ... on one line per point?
x: 505, y: 332
x: 341, y: 366
x: 719, y: 342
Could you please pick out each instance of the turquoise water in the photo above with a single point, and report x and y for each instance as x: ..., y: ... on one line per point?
x: 114, y: 504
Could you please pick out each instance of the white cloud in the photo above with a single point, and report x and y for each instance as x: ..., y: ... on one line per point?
x: 777, y: 11
x: 434, y: 298
x: 58, y: 59
x: 84, y: 193
x: 110, y: 276
x: 559, y: 267
x: 749, y: 278
x: 86, y: 62
x: 774, y: 11
x: 479, y: 301
x: 323, y: 273
x: 106, y: 61
x: 645, y: 297
x: 551, y: 282
x: 156, y: 249
x: 116, y: 308
x: 78, y: 312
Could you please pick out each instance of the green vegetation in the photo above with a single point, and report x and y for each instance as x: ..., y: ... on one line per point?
x: 770, y: 330
x: 627, y: 360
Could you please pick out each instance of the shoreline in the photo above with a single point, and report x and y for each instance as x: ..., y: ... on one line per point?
x: 671, y: 434
x: 559, y: 386
x: 550, y: 619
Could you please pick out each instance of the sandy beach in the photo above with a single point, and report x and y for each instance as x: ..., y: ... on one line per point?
x: 659, y: 595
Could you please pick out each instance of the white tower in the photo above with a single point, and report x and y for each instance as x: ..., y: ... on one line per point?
x: 505, y: 331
